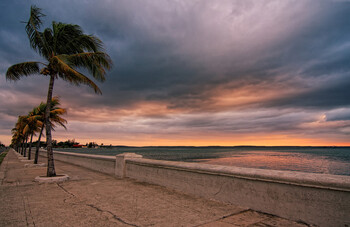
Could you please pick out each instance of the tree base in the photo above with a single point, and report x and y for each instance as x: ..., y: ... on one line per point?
x: 55, y: 179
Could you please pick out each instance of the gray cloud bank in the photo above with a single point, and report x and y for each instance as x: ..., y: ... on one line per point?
x: 291, y: 58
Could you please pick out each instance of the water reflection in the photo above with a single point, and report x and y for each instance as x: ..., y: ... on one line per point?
x: 283, y: 161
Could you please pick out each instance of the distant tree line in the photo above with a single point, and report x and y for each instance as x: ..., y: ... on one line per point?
x: 64, y: 144
x: 71, y: 143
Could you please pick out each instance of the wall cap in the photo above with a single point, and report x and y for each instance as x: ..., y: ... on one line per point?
x: 90, y: 156
x: 336, y: 182
x: 129, y: 155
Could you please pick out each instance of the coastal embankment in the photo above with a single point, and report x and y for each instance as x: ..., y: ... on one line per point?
x: 318, y: 199
x: 90, y: 198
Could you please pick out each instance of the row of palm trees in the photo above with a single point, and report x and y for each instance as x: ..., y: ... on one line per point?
x: 66, y: 50
x: 29, y: 125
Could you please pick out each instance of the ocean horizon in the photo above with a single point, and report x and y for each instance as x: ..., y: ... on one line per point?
x: 321, y: 159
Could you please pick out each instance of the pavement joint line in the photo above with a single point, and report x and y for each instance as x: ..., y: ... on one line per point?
x: 236, y: 213
x: 30, y: 211
x: 24, y: 207
x: 113, y: 215
x: 95, y: 207
x: 223, y: 217
x: 68, y: 192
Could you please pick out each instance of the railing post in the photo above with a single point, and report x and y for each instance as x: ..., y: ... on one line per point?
x: 120, y: 167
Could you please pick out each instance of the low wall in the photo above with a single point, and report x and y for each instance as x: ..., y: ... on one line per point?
x: 318, y: 199
x: 100, y: 163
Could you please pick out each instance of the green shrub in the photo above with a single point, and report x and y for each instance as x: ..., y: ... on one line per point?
x: 2, y: 156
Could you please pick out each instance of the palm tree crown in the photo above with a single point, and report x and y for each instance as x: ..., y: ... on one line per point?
x: 55, y: 113
x: 66, y: 48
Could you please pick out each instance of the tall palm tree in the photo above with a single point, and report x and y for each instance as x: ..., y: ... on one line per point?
x: 66, y: 48
x: 55, y: 119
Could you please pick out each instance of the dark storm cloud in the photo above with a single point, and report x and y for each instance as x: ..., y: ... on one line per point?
x: 167, y: 53
x: 191, y: 56
x: 333, y: 94
x: 159, y: 67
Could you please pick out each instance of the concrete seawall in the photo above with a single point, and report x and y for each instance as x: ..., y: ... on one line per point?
x: 318, y: 199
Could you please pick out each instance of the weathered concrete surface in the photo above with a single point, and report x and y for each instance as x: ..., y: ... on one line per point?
x: 100, y: 163
x: 94, y: 199
x: 120, y: 167
x: 319, y: 199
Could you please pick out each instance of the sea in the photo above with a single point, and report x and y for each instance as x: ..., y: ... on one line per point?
x: 325, y: 160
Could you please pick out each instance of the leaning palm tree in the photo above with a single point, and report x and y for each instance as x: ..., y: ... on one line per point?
x: 55, y: 119
x: 66, y: 49
x: 16, y: 138
x: 15, y: 142
x: 19, y: 128
x: 33, y: 126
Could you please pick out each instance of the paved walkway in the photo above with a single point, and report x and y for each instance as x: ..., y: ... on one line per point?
x: 93, y: 199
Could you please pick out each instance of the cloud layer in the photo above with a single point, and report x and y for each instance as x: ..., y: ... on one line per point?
x: 227, y: 72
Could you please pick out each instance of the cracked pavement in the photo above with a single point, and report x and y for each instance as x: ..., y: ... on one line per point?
x: 90, y: 198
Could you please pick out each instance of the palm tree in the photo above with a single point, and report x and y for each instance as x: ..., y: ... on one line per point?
x: 19, y: 130
x: 33, y: 125
x: 65, y: 48
x: 16, y: 138
x: 55, y: 119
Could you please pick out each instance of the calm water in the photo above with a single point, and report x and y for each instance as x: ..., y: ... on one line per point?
x: 329, y: 160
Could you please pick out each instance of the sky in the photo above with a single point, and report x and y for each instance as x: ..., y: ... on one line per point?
x: 194, y: 72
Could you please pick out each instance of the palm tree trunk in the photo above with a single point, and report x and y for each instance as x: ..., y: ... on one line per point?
x: 22, y: 151
x: 30, y: 147
x: 25, y: 146
x: 38, y: 146
x: 50, y: 161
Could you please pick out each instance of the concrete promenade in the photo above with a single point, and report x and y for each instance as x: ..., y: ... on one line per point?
x: 94, y: 199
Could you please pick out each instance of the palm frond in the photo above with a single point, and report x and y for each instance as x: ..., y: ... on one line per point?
x: 40, y: 124
x: 34, y: 22
x: 64, y: 36
x: 55, y: 102
x: 58, y: 111
x: 32, y: 28
x: 95, y: 62
x: 69, y: 74
x: 47, y: 37
x: 15, y: 72
x: 87, y: 43
x: 26, y: 129
x: 59, y: 120
x: 70, y: 39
